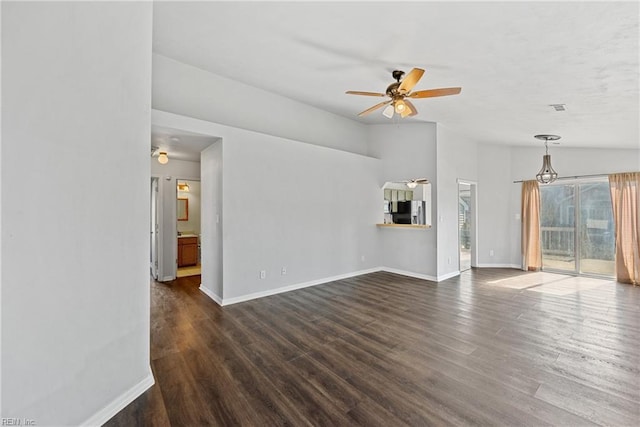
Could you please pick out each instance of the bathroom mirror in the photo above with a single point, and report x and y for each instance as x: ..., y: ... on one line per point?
x: 183, y: 209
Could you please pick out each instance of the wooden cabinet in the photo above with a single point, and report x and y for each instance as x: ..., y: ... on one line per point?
x: 187, y: 251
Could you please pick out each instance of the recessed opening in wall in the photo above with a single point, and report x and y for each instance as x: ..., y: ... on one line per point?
x: 188, y: 227
x: 406, y: 204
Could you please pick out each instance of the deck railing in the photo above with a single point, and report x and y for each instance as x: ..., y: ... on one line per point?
x: 558, y: 241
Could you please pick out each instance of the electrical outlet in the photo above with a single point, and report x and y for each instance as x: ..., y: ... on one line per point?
x: 263, y: 274
x: 283, y: 271
x: 491, y: 252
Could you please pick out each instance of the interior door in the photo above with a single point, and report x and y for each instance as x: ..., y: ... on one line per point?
x: 154, y: 228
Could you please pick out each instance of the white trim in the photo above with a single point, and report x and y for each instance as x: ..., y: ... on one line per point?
x: 235, y: 300
x: 410, y: 274
x: 119, y: 403
x: 516, y: 266
x: 448, y: 276
x: 167, y: 278
x: 208, y: 292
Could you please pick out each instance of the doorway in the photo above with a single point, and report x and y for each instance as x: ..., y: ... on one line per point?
x: 465, y: 236
x: 188, y: 226
x: 577, y: 230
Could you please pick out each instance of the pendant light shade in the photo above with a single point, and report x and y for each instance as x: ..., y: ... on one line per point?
x: 547, y: 174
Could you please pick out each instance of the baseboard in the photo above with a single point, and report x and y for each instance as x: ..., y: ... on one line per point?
x: 448, y: 276
x: 119, y: 403
x: 167, y: 278
x: 409, y: 274
x: 243, y: 298
x: 255, y: 295
x: 208, y: 292
x: 517, y: 267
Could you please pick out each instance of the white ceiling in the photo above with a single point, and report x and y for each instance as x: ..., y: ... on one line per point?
x: 511, y: 59
x: 179, y: 144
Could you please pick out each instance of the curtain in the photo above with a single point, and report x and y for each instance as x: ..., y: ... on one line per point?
x: 530, y: 214
x: 625, y: 192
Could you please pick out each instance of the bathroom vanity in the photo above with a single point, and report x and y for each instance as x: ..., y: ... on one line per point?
x: 187, y: 250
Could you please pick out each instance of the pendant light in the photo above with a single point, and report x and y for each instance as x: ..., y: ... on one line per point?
x: 547, y: 175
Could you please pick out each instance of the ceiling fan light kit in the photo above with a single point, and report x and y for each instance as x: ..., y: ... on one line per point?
x: 399, y: 91
x: 413, y: 183
x: 547, y: 174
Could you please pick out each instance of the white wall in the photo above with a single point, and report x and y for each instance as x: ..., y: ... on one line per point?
x: 76, y: 84
x: 302, y: 216
x: 211, y: 240
x: 407, y: 151
x: 192, y: 224
x: 496, y: 218
x: 313, y: 211
x: 169, y: 173
x: 457, y: 158
x: 183, y: 89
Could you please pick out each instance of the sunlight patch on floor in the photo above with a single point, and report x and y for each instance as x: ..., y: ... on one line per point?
x: 550, y: 283
x: 527, y: 280
x: 571, y: 285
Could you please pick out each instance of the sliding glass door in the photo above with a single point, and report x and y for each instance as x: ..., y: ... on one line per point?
x: 577, y: 228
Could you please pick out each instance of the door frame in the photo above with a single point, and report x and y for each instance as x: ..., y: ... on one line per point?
x: 473, y: 232
x: 160, y: 231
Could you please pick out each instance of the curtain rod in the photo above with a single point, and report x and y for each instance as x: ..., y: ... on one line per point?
x: 598, y: 175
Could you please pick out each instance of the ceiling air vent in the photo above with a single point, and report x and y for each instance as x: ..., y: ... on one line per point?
x: 558, y: 107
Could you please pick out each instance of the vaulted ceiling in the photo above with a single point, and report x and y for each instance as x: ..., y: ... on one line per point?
x: 511, y: 59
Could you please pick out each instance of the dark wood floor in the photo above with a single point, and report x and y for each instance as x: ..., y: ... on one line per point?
x: 383, y: 350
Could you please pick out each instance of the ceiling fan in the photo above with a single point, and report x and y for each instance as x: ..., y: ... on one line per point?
x: 413, y: 183
x: 400, y: 90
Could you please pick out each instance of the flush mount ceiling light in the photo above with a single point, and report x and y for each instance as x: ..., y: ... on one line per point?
x: 546, y: 175
x: 183, y: 186
x: 163, y: 158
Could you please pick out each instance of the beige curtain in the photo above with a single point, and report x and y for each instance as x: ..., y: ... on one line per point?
x: 625, y: 192
x: 530, y: 214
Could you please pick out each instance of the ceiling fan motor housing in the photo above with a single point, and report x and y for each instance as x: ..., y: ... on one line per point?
x: 392, y: 89
x: 397, y: 74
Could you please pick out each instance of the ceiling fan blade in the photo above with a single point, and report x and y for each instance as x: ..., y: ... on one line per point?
x: 411, y: 109
x: 410, y: 81
x: 375, y: 107
x: 356, y: 92
x: 431, y: 93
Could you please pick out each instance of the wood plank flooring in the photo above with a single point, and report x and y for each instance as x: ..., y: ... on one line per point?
x: 385, y: 350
